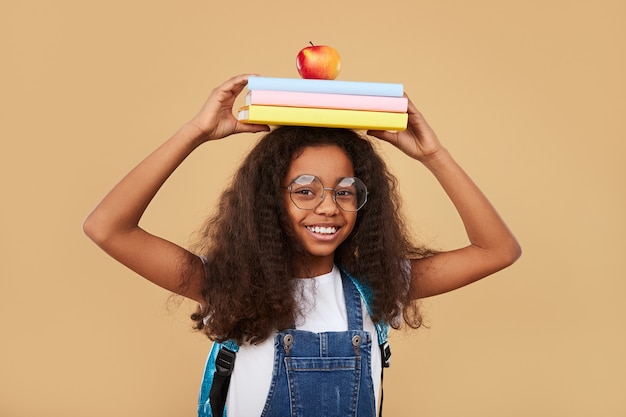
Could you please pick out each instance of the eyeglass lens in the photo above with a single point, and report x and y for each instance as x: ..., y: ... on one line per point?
x: 307, y: 192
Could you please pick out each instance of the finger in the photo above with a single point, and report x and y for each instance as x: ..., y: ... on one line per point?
x: 238, y: 83
x: 416, y: 116
x: 237, y: 80
x: 250, y: 128
x: 385, y: 135
x: 231, y: 88
x: 411, y: 107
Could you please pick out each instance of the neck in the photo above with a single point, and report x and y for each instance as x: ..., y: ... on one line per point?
x: 314, y: 267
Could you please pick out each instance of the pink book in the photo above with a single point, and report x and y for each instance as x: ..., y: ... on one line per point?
x: 326, y: 101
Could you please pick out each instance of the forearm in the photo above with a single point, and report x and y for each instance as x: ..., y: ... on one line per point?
x: 492, y: 245
x: 114, y: 223
x: 484, y: 227
x: 122, y: 208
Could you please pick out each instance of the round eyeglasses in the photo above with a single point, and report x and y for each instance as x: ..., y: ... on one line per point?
x: 307, y: 192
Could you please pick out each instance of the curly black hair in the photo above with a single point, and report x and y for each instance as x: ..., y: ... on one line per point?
x: 250, y: 250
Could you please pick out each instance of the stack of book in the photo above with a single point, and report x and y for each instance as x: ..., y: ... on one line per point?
x: 327, y: 103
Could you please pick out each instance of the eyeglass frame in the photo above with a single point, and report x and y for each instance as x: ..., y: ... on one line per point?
x: 323, y: 193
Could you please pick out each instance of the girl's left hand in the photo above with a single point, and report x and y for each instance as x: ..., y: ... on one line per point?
x: 418, y: 141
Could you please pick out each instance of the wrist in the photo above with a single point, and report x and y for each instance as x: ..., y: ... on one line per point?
x: 193, y: 133
x: 440, y: 162
x: 436, y: 158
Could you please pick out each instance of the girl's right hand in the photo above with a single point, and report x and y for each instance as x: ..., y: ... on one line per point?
x: 216, y: 120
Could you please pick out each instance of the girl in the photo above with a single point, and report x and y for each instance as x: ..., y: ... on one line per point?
x: 305, y: 261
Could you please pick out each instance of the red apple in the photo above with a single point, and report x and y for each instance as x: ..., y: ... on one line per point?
x: 319, y: 62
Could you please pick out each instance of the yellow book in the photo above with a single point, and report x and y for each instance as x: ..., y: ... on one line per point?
x: 312, y: 116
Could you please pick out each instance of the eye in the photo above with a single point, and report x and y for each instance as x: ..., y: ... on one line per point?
x: 303, y: 193
x: 345, y: 193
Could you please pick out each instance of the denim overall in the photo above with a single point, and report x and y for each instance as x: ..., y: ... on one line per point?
x: 317, y: 374
x: 324, y: 374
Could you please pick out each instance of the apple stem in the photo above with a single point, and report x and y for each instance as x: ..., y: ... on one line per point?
x: 311, y: 43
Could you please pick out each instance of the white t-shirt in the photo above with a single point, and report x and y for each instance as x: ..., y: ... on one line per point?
x: 325, y: 311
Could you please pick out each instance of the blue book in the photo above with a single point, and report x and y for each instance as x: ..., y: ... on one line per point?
x: 361, y: 88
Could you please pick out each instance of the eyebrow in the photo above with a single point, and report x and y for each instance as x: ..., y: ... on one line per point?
x: 307, y: 173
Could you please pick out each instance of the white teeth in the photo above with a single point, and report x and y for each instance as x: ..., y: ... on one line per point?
x: 322, y: 230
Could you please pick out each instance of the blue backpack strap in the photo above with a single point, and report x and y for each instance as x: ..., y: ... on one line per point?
x: 217, y: 371
x: 216, y: 379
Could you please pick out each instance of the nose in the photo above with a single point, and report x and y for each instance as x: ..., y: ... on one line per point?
x: 327, y: 206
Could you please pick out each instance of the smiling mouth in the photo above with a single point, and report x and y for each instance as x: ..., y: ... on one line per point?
x: 322, y: 230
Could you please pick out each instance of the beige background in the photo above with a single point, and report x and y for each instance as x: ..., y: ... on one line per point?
x: 529, y: 96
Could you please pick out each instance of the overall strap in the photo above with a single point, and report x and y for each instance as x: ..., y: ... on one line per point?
x: 382, y: 329
x: 352, y: 299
